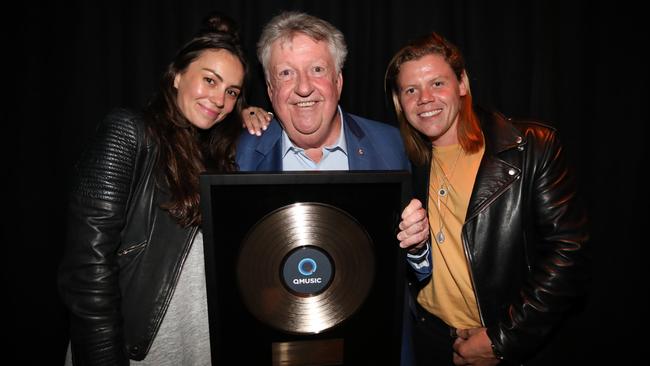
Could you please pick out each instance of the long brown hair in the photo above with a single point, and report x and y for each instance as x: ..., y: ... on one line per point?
x: 416, y: 143
x: 184, y: 150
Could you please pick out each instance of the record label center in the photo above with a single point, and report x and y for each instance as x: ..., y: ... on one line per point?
x: 307, y: 271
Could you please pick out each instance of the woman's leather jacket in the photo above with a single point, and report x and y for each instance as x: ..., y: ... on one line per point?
x: 123, y: 253
x: 524, y: 234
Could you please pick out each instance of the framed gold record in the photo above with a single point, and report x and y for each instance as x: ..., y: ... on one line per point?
x: 304, y: 268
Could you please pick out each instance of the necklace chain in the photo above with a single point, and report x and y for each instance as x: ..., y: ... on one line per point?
x: 442, y: 194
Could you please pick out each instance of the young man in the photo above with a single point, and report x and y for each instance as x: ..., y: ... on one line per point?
x: 507, y: 252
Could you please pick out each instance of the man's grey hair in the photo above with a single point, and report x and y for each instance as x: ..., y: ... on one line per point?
x: 286, y: 25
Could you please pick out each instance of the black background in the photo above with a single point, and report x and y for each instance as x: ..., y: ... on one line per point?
x: 577, y: 65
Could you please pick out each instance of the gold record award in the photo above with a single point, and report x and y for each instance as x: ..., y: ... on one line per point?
x: 305, y: 267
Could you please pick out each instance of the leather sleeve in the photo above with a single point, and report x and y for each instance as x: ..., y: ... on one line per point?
x: 88, y: 275
x: 556, y: 234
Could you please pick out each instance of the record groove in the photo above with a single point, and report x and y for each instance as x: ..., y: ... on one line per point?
x: 305, y: 267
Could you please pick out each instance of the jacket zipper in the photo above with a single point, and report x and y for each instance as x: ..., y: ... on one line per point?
x: 132, y: 248
x: 471, y: 274
x: 168, y: 299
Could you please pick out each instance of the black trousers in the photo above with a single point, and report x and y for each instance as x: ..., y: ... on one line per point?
x: 432, y: 339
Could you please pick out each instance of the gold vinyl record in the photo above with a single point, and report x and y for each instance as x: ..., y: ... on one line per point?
x: 305, y: 267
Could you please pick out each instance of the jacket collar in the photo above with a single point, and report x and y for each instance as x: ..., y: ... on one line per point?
x: 270, y: 138
x: 362, y: 154
x: 496, y: 172
x: 500, y: 135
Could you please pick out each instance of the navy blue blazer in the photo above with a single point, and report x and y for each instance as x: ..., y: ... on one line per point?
x: 371, y: 145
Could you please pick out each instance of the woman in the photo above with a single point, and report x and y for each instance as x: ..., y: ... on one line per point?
x: 132, y: 275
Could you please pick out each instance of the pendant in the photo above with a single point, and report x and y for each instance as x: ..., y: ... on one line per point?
x: 440, y: 237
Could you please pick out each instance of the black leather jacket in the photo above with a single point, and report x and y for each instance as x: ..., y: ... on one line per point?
x: 123, y: 253
x: 524, y: 234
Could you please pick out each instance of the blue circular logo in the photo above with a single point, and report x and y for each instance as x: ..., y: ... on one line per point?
x: 307, y: 266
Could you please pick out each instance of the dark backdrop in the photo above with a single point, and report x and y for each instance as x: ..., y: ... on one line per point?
x: 576, y: 65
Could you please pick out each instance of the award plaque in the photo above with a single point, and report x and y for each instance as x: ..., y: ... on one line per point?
x: 304, y: 268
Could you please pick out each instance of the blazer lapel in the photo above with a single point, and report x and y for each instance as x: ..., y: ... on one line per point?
x: 359, y: 151
x: 269, y: 149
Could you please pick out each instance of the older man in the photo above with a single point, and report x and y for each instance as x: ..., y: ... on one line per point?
x: 303, y: 58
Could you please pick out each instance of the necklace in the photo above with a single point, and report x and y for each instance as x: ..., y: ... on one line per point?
x: 442, y: 195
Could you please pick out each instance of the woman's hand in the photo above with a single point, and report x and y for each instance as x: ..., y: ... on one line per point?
x: 256, y: 119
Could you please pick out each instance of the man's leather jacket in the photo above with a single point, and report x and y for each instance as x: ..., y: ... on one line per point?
x: 123, y: 253
x: 524, y: 234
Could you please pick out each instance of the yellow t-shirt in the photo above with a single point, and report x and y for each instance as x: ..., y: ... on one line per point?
x: 450, y: 293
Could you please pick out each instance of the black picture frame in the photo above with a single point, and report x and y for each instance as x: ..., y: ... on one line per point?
x: 233, y: 203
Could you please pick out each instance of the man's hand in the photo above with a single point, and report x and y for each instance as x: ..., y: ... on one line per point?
x: 473, y: 347
x: 414, y: 227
